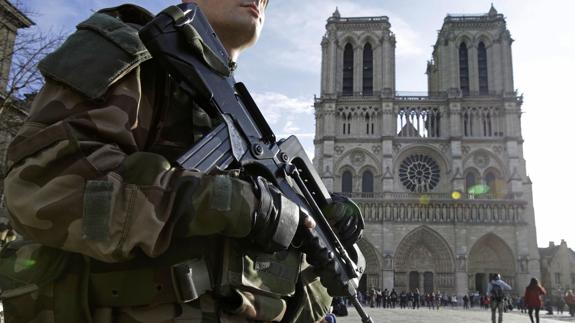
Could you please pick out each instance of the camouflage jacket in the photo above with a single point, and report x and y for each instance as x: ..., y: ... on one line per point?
x: 90, y: 173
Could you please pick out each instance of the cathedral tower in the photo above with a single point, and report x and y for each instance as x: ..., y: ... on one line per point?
x: 440, y: 177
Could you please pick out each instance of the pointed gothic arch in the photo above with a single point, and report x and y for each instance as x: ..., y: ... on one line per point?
x: 472, y: 178
x: 367, y: 69
x: 373, y: 264
x: 348, y: 67
x: 464, y: 68
x: 482, y: 65
x: 490, y: 254
x: 484, y: 37
x: 369, y: 160
x: 494, y: 180
x: 421, y: 251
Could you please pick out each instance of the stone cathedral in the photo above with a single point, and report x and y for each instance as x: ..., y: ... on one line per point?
x: 440, y: 176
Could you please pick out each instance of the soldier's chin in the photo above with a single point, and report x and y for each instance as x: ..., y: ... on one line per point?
x: 249, y: 35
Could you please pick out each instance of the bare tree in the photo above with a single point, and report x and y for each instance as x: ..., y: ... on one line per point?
x: 25, y: 78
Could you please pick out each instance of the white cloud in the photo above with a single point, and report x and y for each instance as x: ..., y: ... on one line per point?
x: 280, y: 109
x: 289, y: 116
x: 300, y: 31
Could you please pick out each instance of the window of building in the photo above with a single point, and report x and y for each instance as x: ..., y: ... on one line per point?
x: 557, y: 278
x: 346, y: 123
x: 467, y: 124
x: 573, y: 279
x: 367, y: 182
x: 419, y: 173
x: 367, y: 123
x: 346, y: 182
x: 348, y: 70
x: 491, y: 182
x: 482, y: 64
x: 463, y: 69
x: 367, y: 70
x: 470, y: 181
x: 487, y: 124
x: 419, y: 122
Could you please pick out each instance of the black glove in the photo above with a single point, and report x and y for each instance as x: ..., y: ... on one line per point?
x: 276, y: 219
x: 345, y: 218
x: 323, y: 262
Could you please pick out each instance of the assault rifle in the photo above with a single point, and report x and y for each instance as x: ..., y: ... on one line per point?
x: 182, y: 40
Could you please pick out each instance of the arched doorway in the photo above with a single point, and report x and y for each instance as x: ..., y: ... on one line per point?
x: 490, y: 254
x: 372, y: 275
x: 428, y: 286
x: 424, y: 260
x: 414, y: 280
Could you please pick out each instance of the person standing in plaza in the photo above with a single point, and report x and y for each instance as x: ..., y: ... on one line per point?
x: 416, y: 299
x: 532, y: 298
x: 402, y: 299
x: 393, y: 298
x: 496, y: 291
x: 570, y: 301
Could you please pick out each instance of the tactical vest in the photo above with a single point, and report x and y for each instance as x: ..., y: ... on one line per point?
x: 43, y: 284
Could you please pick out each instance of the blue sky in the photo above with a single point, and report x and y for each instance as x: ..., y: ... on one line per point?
x: 283, y: 73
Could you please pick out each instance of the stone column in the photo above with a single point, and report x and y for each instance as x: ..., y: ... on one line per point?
x: 357, y: 70
x: 507, y: 63
x: 473, y: 69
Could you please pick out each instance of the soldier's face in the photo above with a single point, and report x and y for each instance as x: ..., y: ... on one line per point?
x: 238, y: 23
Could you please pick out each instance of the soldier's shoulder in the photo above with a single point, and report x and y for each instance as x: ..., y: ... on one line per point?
x: 102, y: 50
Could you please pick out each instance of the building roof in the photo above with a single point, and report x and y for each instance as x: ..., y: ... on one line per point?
x: 14, y: 15
x: 548, y: 252
x: 337, y: 18
x: 489, y: 16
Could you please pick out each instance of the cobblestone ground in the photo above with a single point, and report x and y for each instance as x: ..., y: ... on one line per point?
x: 445, y: 316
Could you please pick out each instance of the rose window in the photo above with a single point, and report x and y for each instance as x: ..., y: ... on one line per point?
x: 419, y: 173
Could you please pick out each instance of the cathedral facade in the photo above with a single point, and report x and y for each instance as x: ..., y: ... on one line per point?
x: 440, y: 176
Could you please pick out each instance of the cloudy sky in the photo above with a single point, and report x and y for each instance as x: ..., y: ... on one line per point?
x: 283, y: 73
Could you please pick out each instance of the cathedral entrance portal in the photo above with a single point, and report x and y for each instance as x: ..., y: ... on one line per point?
x: 372, y: 276
x: 490, y: 254
x: 480, y: 283
x: 424, y: 260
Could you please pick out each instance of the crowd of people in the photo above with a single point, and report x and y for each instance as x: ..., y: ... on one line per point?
x: 497, y: 298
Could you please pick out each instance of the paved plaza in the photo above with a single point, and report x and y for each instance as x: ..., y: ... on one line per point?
x: 445, y: 316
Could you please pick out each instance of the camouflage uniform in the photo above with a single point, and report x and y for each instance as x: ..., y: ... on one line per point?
x: 91, y: 184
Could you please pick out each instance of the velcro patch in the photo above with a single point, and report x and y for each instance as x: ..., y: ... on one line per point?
x: 97, y: 210
x: 221, y: 193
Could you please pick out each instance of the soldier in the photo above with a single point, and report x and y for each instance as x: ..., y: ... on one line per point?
x: 112, y: 231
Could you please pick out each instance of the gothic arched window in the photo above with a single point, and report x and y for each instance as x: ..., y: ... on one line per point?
x: 470, y: 181
x: 348, y: 70
x: 348, y: 123
x: 346, y: 182
x: 367, y: 70
x: 491, y: 181
x: 367, y: 182
x: 482, y: 65
x: 367, y: 123
x: 463, y: 69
